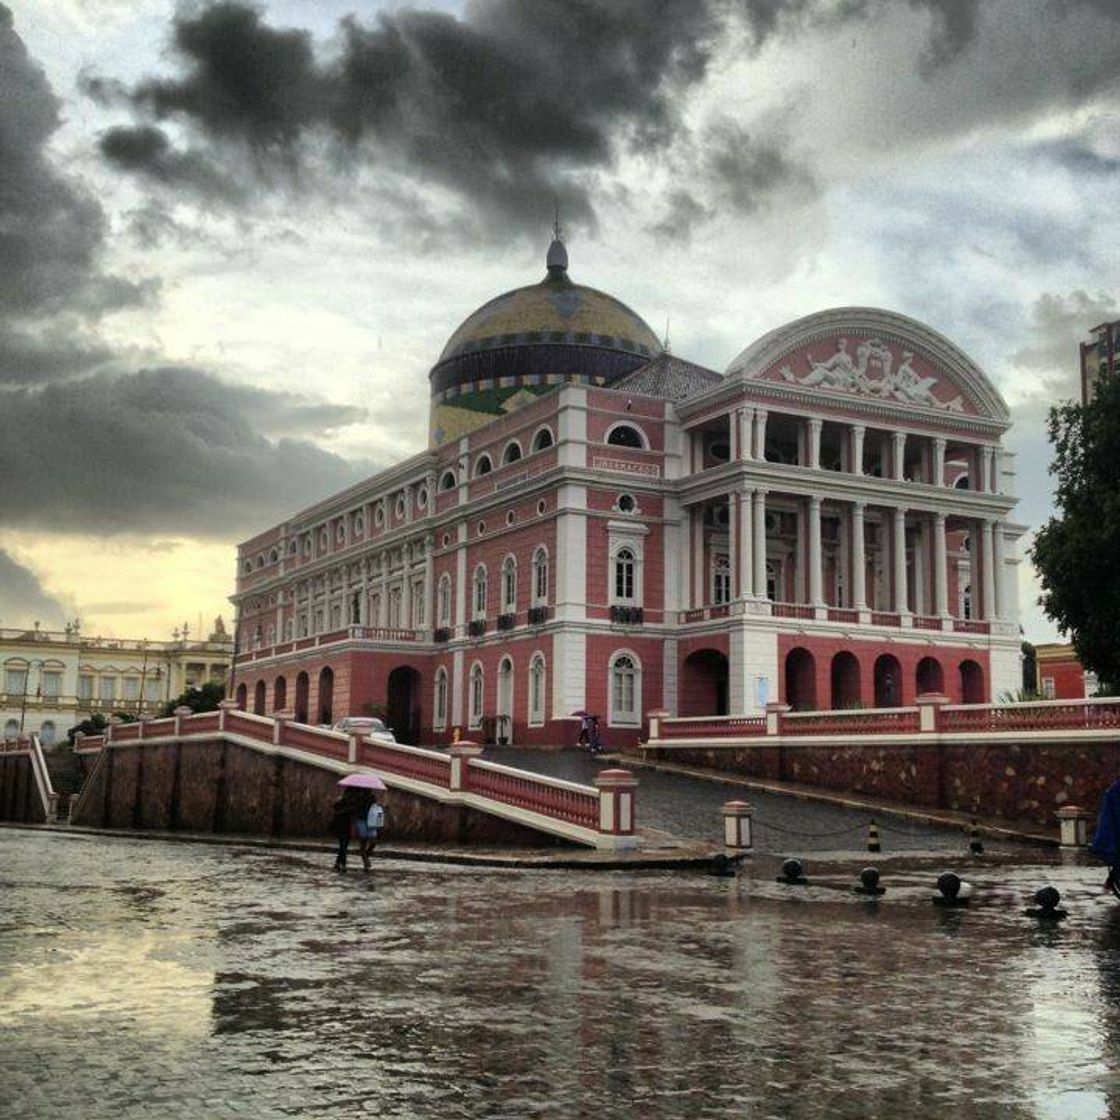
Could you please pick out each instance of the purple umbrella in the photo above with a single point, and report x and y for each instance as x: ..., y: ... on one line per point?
x: 363, y: 781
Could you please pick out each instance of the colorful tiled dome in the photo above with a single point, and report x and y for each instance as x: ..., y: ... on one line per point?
x: 531, y: 338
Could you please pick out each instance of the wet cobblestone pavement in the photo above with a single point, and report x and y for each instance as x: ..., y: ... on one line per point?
x: 690, y: 807
x: 153, y: 979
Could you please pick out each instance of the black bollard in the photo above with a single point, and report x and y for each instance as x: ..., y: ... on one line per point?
x: 869, y: 883
x: 950, y: 887
x: 1046, y: 905
x: 722, y: 866
x: 975, y: 845
x: 793, y: 873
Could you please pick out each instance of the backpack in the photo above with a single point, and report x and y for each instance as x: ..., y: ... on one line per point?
x: 376, y: 816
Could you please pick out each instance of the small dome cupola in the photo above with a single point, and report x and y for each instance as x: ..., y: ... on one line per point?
x: 557, y: 259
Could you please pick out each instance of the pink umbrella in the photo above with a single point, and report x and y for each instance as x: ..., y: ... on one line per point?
x: 363, y: 781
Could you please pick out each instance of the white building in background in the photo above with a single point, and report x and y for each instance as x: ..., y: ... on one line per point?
x: 52, y: 679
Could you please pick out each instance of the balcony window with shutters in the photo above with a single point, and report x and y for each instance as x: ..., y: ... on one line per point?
x: 440, y: 714
x: 419, y: 606
x: 394, y: 608
x: 85, y: 687
x: 131, y: 688
x: 52, y: 683
x: 721, y: 581
x: 480, y: 592
x: 15, y: 680
x: 536, y: 691
x: 475, y: 713
x: 624, y: 568
x: 107, y: 688
x: 625, y: 690
x: 444, y: 597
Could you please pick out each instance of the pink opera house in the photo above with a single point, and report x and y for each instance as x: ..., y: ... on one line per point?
x: 600, y: 525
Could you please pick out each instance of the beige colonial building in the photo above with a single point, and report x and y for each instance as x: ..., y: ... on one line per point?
x: 53, y: 679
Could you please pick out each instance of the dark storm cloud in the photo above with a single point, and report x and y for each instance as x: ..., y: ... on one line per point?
x: 746, y: 172
x: 23, y: 598
x: 147, y: 151
x: 164, y: 449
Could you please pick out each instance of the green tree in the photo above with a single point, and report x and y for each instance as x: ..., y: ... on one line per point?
x: 204, y: 699
x: 94, y: 725
x: 1075, y: 550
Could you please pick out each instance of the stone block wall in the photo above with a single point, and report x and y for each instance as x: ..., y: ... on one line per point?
x: 19, y: 798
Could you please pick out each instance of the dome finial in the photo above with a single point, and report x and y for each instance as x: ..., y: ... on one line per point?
x: 557, y: 259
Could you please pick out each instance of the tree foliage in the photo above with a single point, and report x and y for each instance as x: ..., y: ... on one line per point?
x: 1076, y: 550
x: 204, y: 699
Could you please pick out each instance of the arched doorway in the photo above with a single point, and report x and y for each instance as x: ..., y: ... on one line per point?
x: 242, y: 696
x: 703, y: 684
x: 972, y: 683
x: 929, y: 676
x: 280, y: 694
x: 504, y: 729
x: 801, y: 680
x: 402, y: 704
x: 326, y: 695
x: 888, y: 681
x: 845, y: 681
x: 303, y: 686
x: 258, y: 699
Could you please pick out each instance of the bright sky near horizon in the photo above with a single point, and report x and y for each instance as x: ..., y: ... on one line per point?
x: 234, y: 238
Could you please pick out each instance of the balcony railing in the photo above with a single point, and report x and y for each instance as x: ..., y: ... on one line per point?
x: 344, y: 634
x: 626, y: 616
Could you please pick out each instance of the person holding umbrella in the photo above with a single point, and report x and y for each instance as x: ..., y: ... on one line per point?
x: 352, y: 813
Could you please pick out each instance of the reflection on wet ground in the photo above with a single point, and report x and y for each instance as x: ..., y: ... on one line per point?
x: 142, y: 979
x: 690, y: 807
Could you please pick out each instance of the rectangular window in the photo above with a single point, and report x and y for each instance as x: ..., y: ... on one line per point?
x: 15, y: 680
x: 85, y: 687
x: 1048, y: 689
x: 131, y: 688
x: 151, y: 689
x: 52, y: 684
x: 108, y: 688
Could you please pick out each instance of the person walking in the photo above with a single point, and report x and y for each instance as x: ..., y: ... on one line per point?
x: 342, y: 819
x: 374, y: 823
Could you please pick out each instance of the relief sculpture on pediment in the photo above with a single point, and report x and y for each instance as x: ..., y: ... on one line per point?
x: 871, y: 373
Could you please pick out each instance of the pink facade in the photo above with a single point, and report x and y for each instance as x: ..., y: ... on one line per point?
x: 825, y: 524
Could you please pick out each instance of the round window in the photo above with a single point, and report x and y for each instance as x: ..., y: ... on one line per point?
x: 341, y: 532
x: 400, y: 508
x: 379, y: 516
x: 626, y: 503
x: 510, y: 517
x: 481, y: 528
x: 446, y: 539
x: 422, y: 498
x: 359, y: 524
x: 541, y: 506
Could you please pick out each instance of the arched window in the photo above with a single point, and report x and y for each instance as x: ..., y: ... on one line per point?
x: 439, y: 715
x: 11, y: 729
x: 280, y: 694
x: 536, y: 690
x: 542, y: 439
x: 444, y: 600
x: 626, y: 690
x: 259, y: 698
x: 966, y: 601
x: 474, y: 712
x: 961, y: 483
x: 540, y: 576
x: 480, y: 591
x: 624, y: 568
x: 483, y: 466
x: 395, y: 598
x: 512, y: 452
x: 47, y: 733
x: 721, y: 581
x: 289, y: 629
x: 509, y: 585
x: 447, y: 482
x: 626, y: 435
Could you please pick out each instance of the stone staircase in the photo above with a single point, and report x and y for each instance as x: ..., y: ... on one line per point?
x: 67, y: 776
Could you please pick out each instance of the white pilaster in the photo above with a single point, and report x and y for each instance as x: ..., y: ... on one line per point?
x: 999, y: 570
x: 859, y: 559
x: 856, y: 465
x: 698, y: 570
x: 759, y: 546
x: 816, y: 596
x: 939, y: 444
x: 745, y: 574
x: 571, y: 554
x: 814, y: 436
x: 898, y: 441
x: 940, y: 574
x: 900, y: 594
x: 760, y: 433
x: 989, y: 570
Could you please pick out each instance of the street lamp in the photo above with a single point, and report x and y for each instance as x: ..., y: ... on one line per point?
x: 26, y: 682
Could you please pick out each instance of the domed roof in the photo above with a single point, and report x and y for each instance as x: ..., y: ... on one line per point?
x: 555, y: 312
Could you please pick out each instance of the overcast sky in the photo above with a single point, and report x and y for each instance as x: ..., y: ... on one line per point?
x: 234, y: 239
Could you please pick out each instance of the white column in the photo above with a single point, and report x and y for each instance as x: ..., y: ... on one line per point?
x: 998, y: 572
x: 921, y: 543
x: 746, y: 433
x: 760, y: 433
x: 940, y: 575
x: 383, y: 619
x: 698, y: 572
x: 900, y: 597
x: 814, y: 435
x: 989, y: 571
x: 745, y: 527
x: 856, y: 465
x: 859, y: 560
x: 406, y: 595
x: 989, y: 485
x: 733, y: 514
x: 939, y: 443
x: 733, y: 435
x: 759, y: 548
x: 684, y: 553
x: 816, y: 596
x: 898, y: 440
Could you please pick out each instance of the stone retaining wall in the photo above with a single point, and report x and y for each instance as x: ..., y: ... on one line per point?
x: 19, y: 798
x: 1015, y: 780
x: 221, y: 786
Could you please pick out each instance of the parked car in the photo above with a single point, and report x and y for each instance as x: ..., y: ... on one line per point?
x: 369, y: 726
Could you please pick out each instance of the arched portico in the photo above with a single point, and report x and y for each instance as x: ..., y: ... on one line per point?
x: 402, y: 703
x: 801, y: 680
x: 704, y: 684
